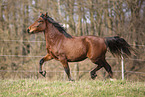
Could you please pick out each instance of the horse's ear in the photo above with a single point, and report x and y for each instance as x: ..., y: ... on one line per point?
x: 46, y: 14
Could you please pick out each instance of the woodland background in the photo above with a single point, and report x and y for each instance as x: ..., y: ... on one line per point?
x: 20, y: 52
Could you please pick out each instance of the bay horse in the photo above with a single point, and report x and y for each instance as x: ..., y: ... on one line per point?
x: 66, y: 48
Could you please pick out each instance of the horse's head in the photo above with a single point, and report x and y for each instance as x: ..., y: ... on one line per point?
x: 39, y: 25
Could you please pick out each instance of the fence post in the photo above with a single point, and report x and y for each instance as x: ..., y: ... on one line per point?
x: 122, y: 65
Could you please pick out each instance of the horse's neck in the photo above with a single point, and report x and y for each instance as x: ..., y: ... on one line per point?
x: 52, y: 35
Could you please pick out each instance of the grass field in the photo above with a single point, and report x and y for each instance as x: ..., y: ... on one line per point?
x: 90, y: 88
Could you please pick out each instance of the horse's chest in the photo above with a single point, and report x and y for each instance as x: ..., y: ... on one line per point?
x: 54, y: 52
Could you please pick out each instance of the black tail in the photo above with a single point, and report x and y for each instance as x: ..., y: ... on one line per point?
x: 118, y: 46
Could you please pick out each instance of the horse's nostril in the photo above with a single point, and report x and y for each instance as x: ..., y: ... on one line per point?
x: 28, y: 30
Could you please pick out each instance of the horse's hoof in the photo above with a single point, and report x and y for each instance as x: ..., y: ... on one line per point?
x: 111, y: 79
x: 43, y: 73
x: 71, y: 80
x: 93, y: 76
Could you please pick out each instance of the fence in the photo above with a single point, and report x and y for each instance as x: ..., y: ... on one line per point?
x: 21, y: 74
x: 74, y: 71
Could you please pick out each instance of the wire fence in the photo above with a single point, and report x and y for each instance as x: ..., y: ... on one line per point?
x: 64, y: 76
x: 25, y: 56
x: 61, y: 75
x: 34, y: 71
x: 19, y: 41
x: 44, y: 42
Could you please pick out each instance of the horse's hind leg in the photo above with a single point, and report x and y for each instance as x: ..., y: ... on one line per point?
x: 108, y: 68
x: 46, y: 58
x: 101, y: 63
x: 93, y: 72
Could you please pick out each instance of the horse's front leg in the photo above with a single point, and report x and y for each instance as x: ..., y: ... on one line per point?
x: 46, y: 58
x: 66, y: 67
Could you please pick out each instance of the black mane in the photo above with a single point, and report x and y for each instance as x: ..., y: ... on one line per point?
x: 57, y: 25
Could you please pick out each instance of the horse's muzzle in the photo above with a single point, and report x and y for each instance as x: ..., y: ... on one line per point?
x: 28, y: 31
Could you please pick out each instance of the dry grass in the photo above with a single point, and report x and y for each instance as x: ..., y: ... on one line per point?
x: 45, y: 88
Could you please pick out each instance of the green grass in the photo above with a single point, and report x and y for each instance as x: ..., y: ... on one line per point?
x: 90, y: 88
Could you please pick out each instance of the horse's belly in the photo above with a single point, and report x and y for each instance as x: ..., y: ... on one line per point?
x: 77, y: 55
x: 76, y: 59
x: 75, y: 49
